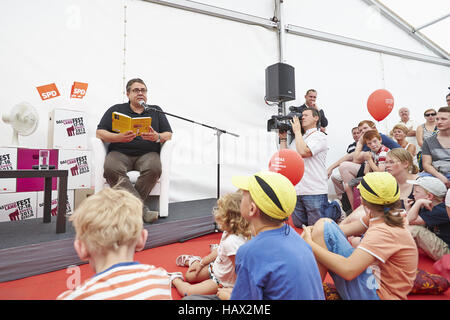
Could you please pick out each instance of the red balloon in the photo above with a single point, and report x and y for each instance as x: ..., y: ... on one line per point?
x: 289, y: 163
x: 380, y: 104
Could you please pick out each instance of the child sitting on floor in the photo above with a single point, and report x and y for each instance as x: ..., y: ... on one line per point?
x: 276, y: 264
x: 109, y: 229
x: 428, y: 219
x: 384, y: 264
x: 216, y: 270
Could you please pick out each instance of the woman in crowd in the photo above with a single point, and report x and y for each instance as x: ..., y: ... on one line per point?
x: 427, y: 129
x: 400, y: 132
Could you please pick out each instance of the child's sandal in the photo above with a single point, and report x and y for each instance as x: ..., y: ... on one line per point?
x: 181, y: 260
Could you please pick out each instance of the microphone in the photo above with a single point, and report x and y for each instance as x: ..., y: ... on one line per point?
x: 143, y: 104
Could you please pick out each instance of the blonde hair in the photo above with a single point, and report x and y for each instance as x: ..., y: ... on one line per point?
x: 403, y: 155
x: 401, y: 127
x: 228, y: 215
x: 108, y: 219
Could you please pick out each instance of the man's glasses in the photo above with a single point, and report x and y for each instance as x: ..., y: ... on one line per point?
x: 137, y: 90
x: 429, y: 114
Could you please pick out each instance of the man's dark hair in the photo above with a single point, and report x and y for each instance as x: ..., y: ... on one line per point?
x: 314, y: 111
x: 310, y: 90
x: 444, y: 109
x: 130, y: 83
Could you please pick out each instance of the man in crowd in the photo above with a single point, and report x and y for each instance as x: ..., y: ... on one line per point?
x: 312, y: 190
x: 310, y: 102
x: 409, y: 123
x: 436, y: 149
x: 127, y: 152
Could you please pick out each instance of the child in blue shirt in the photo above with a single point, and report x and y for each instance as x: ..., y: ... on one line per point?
x: 428, y: 219
x: 276, y: 264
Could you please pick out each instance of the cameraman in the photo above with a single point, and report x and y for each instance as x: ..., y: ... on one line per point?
x: 310, y: 102
x: 312, y: 190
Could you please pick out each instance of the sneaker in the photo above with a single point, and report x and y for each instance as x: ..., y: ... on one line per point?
x: 175, y: 275
x: 149, y: 216
x: 181, y: 260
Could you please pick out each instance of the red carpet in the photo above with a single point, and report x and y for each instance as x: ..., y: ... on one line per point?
x: 48, y: 286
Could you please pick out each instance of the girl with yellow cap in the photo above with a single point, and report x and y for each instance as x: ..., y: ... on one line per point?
x: 384, y: 264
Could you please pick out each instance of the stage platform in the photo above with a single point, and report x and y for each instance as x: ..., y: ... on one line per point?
x: 31, y: 247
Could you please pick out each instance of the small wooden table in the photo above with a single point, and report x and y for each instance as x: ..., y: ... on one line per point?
x: 62, y: 192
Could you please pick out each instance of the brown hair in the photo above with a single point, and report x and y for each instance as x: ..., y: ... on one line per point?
x: 444, y: 109
x: 391, y: 212
x: 368, y: 122
x: 228, y: 215
x: 310, y: 90
x: 369, y: 135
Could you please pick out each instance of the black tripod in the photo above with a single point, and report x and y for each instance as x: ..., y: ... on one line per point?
x: 218, y: 133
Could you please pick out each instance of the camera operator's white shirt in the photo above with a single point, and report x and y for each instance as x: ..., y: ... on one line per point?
x: 315, y: 178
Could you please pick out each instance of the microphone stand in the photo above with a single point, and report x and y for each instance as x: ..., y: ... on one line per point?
x: 218, y: 133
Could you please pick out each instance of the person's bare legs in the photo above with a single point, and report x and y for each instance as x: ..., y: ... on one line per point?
x: 203, y: 286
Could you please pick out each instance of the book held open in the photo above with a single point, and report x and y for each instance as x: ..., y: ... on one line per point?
x: 123, y: 123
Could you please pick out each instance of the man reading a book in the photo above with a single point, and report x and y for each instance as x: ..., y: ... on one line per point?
x: 128, y: 151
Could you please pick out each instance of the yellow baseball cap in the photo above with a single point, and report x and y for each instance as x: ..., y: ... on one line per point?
x: 379, y: 188
x: 272, y: 192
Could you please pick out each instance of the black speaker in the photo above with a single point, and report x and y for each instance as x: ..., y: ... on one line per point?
x: 280, y: 82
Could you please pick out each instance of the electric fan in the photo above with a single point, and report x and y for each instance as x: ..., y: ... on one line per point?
x: 24, y: 120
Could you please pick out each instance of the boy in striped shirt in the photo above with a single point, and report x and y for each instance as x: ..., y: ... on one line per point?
x: 109, y: 229
x: 376, y: 158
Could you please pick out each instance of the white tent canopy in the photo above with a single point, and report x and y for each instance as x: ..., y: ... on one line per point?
x: 205, y: 61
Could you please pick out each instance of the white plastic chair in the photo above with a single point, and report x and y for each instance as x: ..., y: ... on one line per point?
x: 161, y: 189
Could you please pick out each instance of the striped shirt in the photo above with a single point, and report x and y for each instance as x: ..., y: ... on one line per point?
x: 379, y: 157
x: 124, y: 281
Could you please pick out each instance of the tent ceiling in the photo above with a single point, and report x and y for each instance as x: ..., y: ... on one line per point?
x: 418, y: 13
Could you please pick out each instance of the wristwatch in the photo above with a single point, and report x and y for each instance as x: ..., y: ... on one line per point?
x: 159, y: 139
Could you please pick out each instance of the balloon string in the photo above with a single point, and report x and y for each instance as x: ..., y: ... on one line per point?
x: 382, y: 71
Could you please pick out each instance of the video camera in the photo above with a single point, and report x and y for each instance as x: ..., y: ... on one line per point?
x: 282, y: 123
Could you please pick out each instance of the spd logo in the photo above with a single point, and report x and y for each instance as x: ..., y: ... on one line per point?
x: 48, y: 91
x: 78, y: 90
